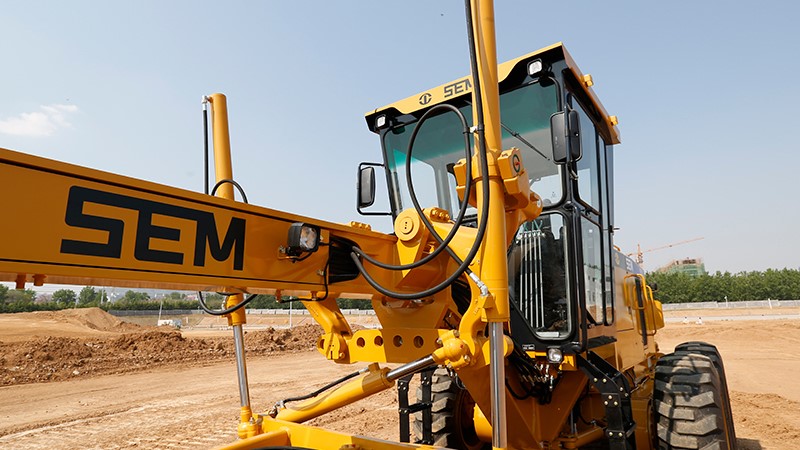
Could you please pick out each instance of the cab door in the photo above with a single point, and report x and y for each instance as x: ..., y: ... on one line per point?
x: 590, y: 179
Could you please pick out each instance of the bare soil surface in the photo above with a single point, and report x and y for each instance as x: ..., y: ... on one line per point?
x: 82, y: 379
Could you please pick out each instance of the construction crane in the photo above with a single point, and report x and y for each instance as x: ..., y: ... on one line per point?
x: 640, y: 253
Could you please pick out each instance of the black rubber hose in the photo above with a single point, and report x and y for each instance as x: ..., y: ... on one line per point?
x: 222, y: 312
x: 322, y: 389
x: 413, y: 194
x: 443, y: 244
x: 234, y: 183
x: 484, y: 165
x: 205, y: 145
x: 203, y: 306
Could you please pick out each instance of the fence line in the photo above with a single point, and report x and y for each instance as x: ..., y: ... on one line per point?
x: 770, y: 304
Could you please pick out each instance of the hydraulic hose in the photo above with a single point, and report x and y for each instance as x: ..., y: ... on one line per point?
x: 464, y: 265
x: 203, y: 306
x: 205, y: 143
x: 484, y: 172
x: 323, y: 388
x: 222, y: 312
x: 234, y: 183
x: 443, y: 244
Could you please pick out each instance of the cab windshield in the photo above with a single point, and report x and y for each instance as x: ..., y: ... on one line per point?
x: 525, y: 114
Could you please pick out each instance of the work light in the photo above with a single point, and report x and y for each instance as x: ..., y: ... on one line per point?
x: 554, y: 355
x: 303, y: 238
x: 535, y: 67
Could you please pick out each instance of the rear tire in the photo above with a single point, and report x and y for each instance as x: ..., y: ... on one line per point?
x: 691, y: 405
x: 711, y: 352
x: 452, y: 411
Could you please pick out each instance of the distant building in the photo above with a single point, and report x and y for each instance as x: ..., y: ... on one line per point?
x: 690, y: 266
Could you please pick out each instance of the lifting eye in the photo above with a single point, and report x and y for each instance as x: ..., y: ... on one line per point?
x: 303, y: 238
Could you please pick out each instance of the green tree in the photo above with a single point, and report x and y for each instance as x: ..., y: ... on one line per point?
x: 64, y: 298
x: 18, y: 300
x: 133, y: 297
x: 352, y: 303
x: 270, y: 302
x: 773, y: 284
x: 135, y: 300
x: 89, y: 297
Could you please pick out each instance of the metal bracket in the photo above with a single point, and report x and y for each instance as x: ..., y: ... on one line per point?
x: 615, y: 393
x: 424, y: 405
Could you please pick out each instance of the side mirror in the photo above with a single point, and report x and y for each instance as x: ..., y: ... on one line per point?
x: 366, y: 186
x: 565, y: 131
x: 653, y: 286
x: 365, y: 189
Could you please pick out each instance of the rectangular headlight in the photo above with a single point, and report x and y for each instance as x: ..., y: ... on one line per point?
x: 303, y: 238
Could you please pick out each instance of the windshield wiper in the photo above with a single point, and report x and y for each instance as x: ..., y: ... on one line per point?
x: 519, y: 137
x: 523, y: 140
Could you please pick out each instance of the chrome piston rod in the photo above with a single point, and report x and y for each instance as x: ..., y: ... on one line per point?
x: 241, y: 366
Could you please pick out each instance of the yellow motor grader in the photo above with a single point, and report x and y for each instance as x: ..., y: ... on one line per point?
x: 500, y: 287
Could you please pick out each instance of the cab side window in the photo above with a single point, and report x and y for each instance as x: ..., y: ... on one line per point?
x: 593, y: 194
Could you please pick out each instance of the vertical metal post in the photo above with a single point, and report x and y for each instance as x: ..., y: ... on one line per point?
x: 223, y: 170
x: 494, y: 265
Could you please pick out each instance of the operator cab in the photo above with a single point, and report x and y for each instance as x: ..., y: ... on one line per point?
x: 560, y: 265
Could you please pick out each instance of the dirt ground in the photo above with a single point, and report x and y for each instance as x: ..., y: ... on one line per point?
x: 86, y: 380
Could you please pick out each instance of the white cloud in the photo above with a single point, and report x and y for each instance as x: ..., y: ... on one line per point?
x: 45, y: 122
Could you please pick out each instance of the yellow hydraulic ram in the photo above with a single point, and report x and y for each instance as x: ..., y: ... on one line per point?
x: 237, y: 317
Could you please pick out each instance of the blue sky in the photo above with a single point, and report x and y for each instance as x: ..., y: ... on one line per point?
x: 704, y: 92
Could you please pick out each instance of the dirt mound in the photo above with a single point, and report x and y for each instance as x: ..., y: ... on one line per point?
x: 82, y: 322
x: 94, y: 318
x: 56, y: 358
x: 298, y: 338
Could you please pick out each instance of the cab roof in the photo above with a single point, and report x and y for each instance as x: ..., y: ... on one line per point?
x: 462, y: 87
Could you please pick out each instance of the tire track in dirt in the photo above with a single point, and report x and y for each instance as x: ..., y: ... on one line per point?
x: 192, y: 407
x: 193, y: 402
